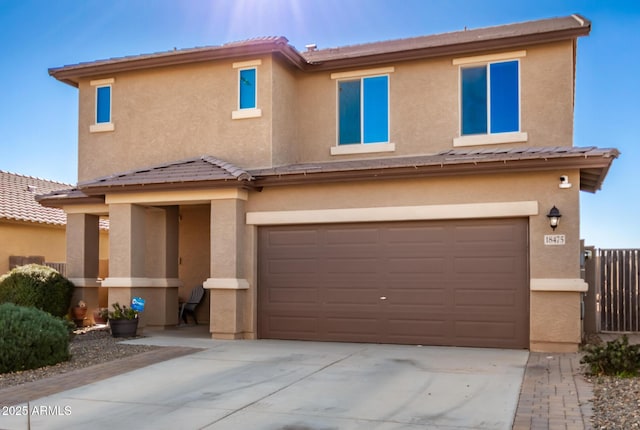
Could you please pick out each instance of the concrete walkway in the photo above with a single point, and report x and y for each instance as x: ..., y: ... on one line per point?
x: 395, y: 387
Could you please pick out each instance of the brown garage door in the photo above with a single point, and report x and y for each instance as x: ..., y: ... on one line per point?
x: 462, y: 283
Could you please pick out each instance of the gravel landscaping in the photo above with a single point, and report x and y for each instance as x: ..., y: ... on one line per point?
x: 88, y: 347
x: 616, y: 403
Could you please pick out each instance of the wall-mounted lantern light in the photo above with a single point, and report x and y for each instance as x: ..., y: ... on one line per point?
x: 554, y: 217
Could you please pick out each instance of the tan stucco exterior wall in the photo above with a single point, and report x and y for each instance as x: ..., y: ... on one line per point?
x: 171, y: 114
x: 174, y: 113
x: 424, y: 116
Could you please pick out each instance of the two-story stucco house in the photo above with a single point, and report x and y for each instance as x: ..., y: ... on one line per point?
x: 393, y: 192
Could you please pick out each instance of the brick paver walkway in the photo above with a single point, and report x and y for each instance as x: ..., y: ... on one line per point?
x: 77, y: 378
x: 554, y: 394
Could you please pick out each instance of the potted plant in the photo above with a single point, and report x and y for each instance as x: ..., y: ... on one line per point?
x: 79, y: 313
x: 101, y: 315
x: 123, y: 321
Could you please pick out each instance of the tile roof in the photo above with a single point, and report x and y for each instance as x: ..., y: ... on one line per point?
x: 453, y: 43
x: 593, y: 163
x: 570, y: 24
x: 187, y: 172
x: 17, y: 199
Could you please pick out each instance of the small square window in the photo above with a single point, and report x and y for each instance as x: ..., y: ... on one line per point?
x: 102, y: 113
x: 103, y: 104
x: 247, y: 89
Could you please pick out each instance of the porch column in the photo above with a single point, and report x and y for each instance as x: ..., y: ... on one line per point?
x: 162, y: 264
x: 227, y: 284
x: 143, y: 260
x: 83, y: 245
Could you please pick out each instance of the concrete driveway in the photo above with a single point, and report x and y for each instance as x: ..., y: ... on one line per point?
x: 283, y: 385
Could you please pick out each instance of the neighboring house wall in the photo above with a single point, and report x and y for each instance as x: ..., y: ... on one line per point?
x: 26, y: 239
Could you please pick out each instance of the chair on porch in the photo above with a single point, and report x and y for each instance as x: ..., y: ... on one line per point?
x: 189, y: 307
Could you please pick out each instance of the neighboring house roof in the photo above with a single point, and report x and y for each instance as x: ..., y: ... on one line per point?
x: 18, y: 203
x: 454, y: 43
x: 206, y: 171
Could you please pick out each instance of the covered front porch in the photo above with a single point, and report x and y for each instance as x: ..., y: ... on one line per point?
x: 164, y: 241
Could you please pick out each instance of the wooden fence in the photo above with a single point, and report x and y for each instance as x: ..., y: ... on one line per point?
x: 619, y: 289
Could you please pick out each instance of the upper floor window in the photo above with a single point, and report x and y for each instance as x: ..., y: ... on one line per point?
x: 363, y: 111
x: 247, y: 90
x: 103, y: 104
x: 490, y: 99
x: 103, y: 101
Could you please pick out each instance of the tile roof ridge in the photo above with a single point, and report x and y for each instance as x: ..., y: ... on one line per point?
x: 37, y: 178
x: 582, y: 21
x: 232, y: 169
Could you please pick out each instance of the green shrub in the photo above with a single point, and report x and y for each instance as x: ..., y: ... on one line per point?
x: 39, y: 286
x: 616, y: 358
x: 30, y: 338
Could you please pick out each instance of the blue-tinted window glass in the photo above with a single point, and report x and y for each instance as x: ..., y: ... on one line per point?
x: 349, y: 112
x: 248, y: 89
x: 504, y: 97
x: 376, y: 109
x: 103, y: 104
x: 474, y: 100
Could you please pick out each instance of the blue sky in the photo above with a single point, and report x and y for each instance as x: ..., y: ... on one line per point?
x: 38, y: 115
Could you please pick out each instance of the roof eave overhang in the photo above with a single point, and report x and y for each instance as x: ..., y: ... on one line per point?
x: 93, y: 190
x: 597, y: 168
x: 72, y: 74
x: 463, y: 48
x: 60, y: 201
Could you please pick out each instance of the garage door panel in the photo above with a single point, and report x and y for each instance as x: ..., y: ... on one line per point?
x: 422, y: 235
x: 351, y: 296
x: 351, y: 265
x: 421, y: 298
x: 477, y: 333
x: 461, y: 283
x: 415, y: 265
x: 293, y: 296
x: 486, y: 298
x: 292, y: 266
x: 481, y: 234
x: 292, y: 326
x: 481, y: 265
x: 299, y: 238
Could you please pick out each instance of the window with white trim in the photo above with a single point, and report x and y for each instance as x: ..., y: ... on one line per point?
x: 247, y: 90
x: 363, y: 110
x: 103, y: 101
x: 490, y: 100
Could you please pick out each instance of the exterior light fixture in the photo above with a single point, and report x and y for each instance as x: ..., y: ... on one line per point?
x: 554, y: 217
